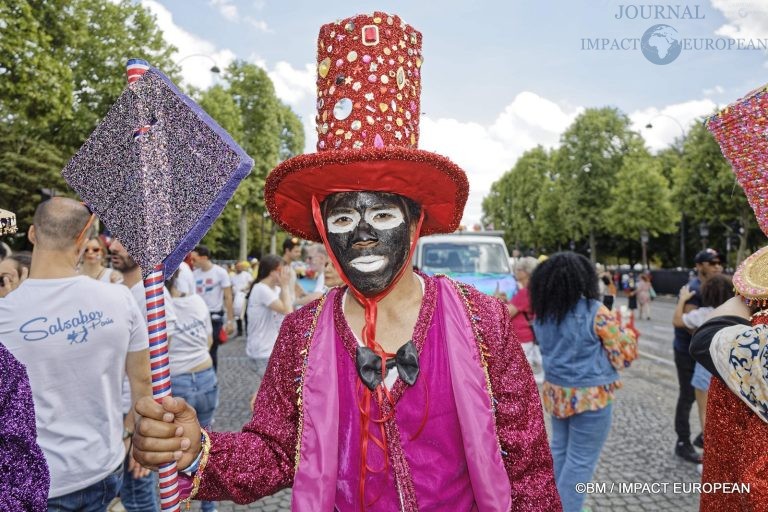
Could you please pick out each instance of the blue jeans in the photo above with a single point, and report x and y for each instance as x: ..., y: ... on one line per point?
x: 201, y: 391
x: 140, y: 494
x: 576, y: 445
x: 93, y: 498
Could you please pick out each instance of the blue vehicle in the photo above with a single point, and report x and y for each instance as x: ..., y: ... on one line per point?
x: 476, y: 258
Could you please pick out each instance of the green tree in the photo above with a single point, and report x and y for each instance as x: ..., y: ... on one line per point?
x: 62, y: 65
x: 706, y: 188
x: 291, y: 133
x: 268, y: 131
x: 641, y: 200
x: 26, y: 167
x: 591, y: 153
x: 513, y: 203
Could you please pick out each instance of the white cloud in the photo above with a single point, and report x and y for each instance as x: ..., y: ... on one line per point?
x: 670, y: 122
x: 487, y: 152
x: 226, y: 8
x: 718, y: 89
x: 293, y: 85
x: 746, y: 19
x: 196, y: 55
x: 257, y: 24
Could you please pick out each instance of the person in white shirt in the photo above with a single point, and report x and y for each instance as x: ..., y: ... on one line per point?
x: 241, y: 283
x: 268, y: 303
x: 77, y: 337
x: 139, y: 491
x: 185, y: 282
x: 192, y: 375
x: 214, y: 286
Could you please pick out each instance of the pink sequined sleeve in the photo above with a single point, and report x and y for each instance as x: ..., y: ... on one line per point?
x: 519, y: 418
x: 259, y: 460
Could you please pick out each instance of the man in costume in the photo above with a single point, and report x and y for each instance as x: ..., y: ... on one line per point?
x: 733, y: 344
x: 391, y: 393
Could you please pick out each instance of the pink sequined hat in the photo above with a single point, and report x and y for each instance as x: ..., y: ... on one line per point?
x: 368, y: 91
x: 741, y: 130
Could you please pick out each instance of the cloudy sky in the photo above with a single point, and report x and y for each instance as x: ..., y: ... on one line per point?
x: 499, y: 76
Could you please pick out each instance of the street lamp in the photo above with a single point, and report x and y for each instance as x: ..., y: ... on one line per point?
x: 704, y: 233
x: 214, y: 69
x: 649, y: 126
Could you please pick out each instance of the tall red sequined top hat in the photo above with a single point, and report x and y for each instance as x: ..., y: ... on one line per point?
x: 368, y: 89
x: 741, y: 130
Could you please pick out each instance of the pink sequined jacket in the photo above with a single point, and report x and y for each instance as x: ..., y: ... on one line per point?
x: 260, y: 460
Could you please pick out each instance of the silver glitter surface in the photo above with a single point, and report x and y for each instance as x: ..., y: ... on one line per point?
x: 157, y: 171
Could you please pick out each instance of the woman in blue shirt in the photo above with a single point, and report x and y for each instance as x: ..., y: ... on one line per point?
x: 582, y: 346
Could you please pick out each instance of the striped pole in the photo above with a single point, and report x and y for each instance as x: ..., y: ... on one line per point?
x: 158, y: 340
x: 161, y: 374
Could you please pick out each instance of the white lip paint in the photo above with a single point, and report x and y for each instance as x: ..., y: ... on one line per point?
x: 368, y: 263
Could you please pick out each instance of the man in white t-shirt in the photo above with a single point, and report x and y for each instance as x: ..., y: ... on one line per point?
x: 77, y: 337
x: 241, y: 285
x: 214, y: 286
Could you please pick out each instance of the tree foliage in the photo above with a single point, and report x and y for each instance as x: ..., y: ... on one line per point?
x: 641, y: 200
x: 62, y: 65
x: 706, y: 189
x: 592, y: 150
x: 268, y: 131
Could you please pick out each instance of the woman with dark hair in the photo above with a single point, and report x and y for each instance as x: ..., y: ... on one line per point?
x: 582, y: 347
x: 268, y: 303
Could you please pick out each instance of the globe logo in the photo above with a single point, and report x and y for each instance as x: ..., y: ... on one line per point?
x: 661, y: 44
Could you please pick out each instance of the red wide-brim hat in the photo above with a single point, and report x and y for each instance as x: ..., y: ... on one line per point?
x: 368, y: 87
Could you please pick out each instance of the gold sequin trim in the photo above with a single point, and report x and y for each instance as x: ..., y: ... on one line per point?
x: 300, y: 388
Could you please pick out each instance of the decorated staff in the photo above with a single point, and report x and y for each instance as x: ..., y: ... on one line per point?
x: 157, y: 171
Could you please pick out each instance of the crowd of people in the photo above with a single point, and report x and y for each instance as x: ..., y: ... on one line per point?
x: 368, y: 371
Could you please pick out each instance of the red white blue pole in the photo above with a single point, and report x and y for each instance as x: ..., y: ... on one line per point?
x: 158, y: 341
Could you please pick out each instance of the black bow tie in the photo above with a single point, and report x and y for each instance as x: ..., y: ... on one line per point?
x: 369, y: 365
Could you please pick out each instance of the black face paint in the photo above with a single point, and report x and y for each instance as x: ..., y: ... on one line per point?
x: 369, y: 233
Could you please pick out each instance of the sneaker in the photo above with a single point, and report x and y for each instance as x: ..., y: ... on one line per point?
x: 686, y: 451
x: 699, y: 441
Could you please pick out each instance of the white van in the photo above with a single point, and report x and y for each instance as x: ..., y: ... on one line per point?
x: 478, y: 258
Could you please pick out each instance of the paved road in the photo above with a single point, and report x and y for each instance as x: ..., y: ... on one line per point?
x: 638, y: 450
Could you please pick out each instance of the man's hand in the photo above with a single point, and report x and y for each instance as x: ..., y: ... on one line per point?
x: 165, y: 433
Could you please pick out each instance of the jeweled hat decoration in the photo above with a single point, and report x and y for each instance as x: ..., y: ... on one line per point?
x: 368, y: 109
x: 157, y: 171
x: 741, y: 130
x: 7, y: 223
